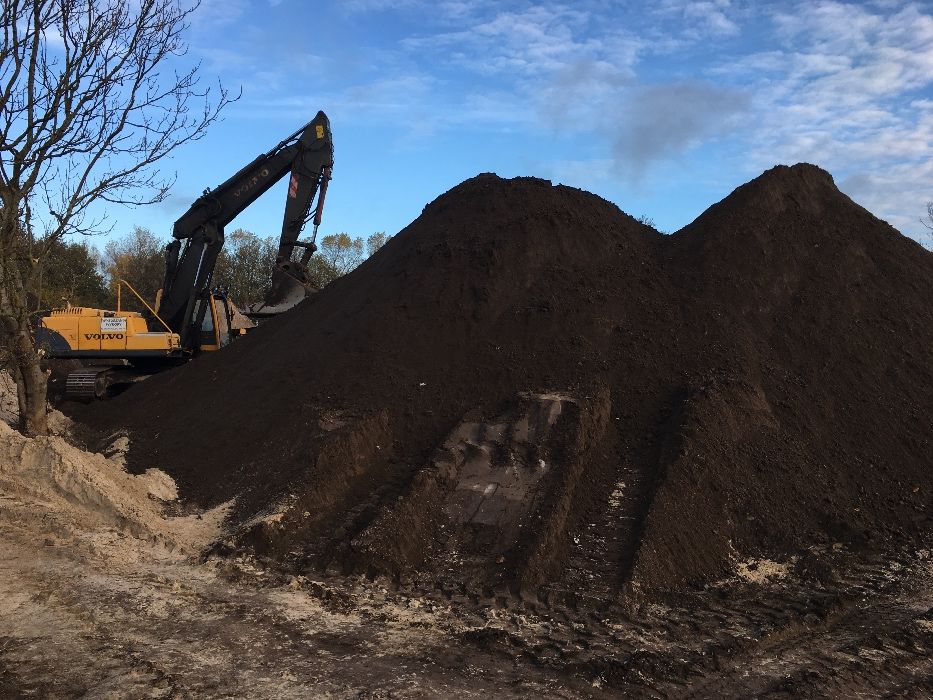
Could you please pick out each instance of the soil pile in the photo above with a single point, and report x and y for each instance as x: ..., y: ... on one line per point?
x: 526, y: 388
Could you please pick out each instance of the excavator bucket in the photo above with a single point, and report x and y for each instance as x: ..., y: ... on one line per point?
x: 287, y: 290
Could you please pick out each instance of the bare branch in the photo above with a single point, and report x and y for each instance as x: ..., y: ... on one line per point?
x: 95, y: 110
x: 90, y: 101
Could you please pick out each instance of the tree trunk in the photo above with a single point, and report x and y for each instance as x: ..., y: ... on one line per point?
x: 15, y: 332
x: 31, y: 385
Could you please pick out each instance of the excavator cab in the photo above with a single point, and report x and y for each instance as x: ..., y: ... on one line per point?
x: 222, y: 322
x: 211, y: 336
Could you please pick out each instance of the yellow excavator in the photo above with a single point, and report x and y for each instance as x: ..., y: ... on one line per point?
x: 187, y: 316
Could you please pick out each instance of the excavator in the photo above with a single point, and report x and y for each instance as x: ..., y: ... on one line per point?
x: 188, y: 316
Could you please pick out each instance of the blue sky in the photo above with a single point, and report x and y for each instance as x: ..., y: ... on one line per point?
x: 662, y: 108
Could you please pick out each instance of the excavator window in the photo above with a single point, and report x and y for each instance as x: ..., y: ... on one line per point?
x: 222, y: 311
x: 208, y: 336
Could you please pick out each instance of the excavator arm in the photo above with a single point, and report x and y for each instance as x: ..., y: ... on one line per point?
x: 199, y: 232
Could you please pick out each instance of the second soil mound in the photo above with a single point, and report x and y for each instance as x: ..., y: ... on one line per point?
x: 527, y: 389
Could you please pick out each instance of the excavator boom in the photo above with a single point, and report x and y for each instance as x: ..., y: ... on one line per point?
x: 199, y: 233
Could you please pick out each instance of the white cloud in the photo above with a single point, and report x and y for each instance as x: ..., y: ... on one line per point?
x: 840, y: 94
x: 842, y: 84
x: 897, y: 193
x: 212, y: 14
x: 710, y: 18
x: 698, y: 19
x: 532, y: 41
x: 362, y: 6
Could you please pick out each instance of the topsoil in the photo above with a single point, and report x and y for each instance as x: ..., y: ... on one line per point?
x: 528, y: 391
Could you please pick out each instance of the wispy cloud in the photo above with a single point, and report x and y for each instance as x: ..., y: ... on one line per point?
x: 842, y: 84
x: 530, y: 41
x: 838, y: 93
x: 898, y: 193
x: 662, y: 120
x: 700, y: 18
x: 358, y: 6
x: 212, y: 14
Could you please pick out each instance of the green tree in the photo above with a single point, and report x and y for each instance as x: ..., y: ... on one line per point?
x: 89, y: 105
x: 244, y: 266
x: 375, y: 241
x: 138, y: 258
x: 336, y: 256
x: 70, y: 273
x: 340, y: 253
x: 321, y: 271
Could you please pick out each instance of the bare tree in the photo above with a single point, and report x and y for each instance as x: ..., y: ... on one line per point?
x: 89, y: 105
x: 928, y: 222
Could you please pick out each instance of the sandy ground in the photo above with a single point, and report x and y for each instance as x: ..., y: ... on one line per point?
x: 161, y: 625
x: 172, y: 628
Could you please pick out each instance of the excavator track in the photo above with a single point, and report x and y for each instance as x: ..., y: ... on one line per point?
x: 82, y: 384
x: 100, y: 382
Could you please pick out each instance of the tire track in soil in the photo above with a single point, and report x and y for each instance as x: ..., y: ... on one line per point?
x: 862, y: 652
x: 606, y: 542
x: 603, y: 551
x: 869, y: 635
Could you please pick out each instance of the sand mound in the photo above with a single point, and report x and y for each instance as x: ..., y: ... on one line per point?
x: 57, y: 490
x: 59, y: 424
x: 528, y: 389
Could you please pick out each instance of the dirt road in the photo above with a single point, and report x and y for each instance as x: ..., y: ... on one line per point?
x: 73, y: 624
x: 70, y: 627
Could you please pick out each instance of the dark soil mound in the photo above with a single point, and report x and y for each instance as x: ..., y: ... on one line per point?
x: 527, y: 388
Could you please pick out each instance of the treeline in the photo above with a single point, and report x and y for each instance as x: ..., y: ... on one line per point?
x: 76, y: 272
